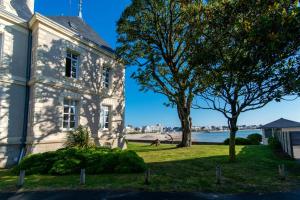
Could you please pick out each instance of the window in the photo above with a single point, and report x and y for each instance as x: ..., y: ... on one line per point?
x: 106, y: 77
x: 70, y: 114
x: 105, y: 117
x: 72, y: 65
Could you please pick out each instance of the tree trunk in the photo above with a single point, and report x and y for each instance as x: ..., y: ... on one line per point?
x: 233, y: 130
x: 186, y: 125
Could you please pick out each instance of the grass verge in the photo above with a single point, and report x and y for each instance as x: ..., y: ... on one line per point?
x: 184, y: 169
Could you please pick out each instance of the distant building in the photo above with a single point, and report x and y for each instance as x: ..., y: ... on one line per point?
x: 158, y: 128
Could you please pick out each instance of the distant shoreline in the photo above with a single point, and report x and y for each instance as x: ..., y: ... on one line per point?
x: 176, y: 136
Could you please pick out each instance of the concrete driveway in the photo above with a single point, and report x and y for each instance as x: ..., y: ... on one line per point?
x: 115, y: 195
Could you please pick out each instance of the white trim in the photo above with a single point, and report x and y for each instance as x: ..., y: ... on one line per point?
x: 76, y: 113
x: 75, y: 53
x: 110, y: 107
x: 67, y: 32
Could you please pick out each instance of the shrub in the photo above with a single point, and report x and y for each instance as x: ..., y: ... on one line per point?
x: 65, y: 166
x: 274, y: 143
x: 70, y: 160
x: 37, y: 163
x: 79, y: 138
x: 239, y: 141
x: 255, y: 138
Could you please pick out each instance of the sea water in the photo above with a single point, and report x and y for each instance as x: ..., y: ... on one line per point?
x: 220, y: 136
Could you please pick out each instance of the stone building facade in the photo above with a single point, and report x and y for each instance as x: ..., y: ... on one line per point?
x: 56, y: 73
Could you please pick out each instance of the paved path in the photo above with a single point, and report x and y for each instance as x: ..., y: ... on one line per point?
x: 109, y: 195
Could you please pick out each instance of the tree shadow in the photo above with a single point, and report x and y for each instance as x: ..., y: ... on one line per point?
x: 49, y: 87
x: 12, y: 93
x: 256, y: 170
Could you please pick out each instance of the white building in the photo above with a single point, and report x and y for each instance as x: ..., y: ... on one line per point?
x: 55, y: 73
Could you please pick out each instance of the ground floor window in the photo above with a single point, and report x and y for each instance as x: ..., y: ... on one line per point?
x: 70, y: 114
x: 105, y: 117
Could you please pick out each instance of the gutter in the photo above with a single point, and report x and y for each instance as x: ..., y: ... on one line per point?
x: 27, y: 99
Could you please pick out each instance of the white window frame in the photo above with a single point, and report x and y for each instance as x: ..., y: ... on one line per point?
x: 105, y: 117
x: 106, y: 77
x: 69, y: 55
x: 70, y: 104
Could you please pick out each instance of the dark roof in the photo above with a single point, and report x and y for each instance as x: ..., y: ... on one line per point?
x: 80, y: 27
x: 282, y: 123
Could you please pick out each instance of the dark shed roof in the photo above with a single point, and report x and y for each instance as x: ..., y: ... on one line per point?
x: 78, y: 25
x: 282, y: 123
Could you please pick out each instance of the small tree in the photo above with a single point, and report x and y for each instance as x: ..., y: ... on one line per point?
x: 156, y: 35
x: 81, y: 137
x: 251, y: 48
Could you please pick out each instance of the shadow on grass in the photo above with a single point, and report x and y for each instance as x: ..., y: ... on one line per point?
x: 255, y: 170
x: 149, y: 148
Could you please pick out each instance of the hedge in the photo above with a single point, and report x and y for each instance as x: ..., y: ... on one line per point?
x: 252, y: 139
x: 239, y: 141
x: 71, y: 160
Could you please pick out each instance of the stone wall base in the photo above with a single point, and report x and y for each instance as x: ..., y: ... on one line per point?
x: 9, y: 155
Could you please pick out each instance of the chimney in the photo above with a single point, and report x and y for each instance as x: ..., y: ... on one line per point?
x: 30, y: 5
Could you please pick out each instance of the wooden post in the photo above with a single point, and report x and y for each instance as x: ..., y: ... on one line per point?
x: 147, y: 177
x: 218, y: 174
x: 82, y: 177
x: 21, y: 178
x: 282, y: 172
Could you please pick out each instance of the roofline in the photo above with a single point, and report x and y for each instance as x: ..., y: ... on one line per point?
x: 13, y: 18
x: 264, y: 127
x: 296, y: 126
x: 37, y: 17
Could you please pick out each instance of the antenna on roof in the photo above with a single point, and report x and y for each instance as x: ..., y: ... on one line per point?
x: 80, y: 9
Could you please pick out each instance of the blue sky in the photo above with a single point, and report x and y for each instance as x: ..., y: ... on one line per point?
x: 147, y: 108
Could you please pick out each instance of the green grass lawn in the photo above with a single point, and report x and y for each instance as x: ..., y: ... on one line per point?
x: 185, y: 169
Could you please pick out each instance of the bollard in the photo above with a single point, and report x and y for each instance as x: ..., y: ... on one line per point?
x: 218, y: 174
x: 282, y: 172
x: 82, y: 177
x: 21, y: 178
x: 147, y: 177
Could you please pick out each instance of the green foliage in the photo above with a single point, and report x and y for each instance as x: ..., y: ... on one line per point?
x: 155, y: 36
x: 255, y: 138
x: 274, y: 143
x: 70, y: 160
x: 247, y: 55
x: 37, y: 164
x: 65, y: 167
x: 239, y: 141
x: 79, y: 138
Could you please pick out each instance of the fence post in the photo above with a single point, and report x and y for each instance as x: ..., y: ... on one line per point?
x: 218, y: 174
x: 147, y: 177
x: 21, y: 178
x: 282, y: 172
x: 82, y: 176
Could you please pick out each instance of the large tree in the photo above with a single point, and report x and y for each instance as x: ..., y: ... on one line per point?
x: 155, y: 36
x: 251, y: 49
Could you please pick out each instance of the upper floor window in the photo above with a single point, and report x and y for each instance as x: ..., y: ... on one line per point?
x: 105, y: 117
x: 72, y: 65
x: 106, y: 77
x: 70, y: 114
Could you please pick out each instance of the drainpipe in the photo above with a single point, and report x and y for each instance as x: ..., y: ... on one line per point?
x: 27, y: 98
